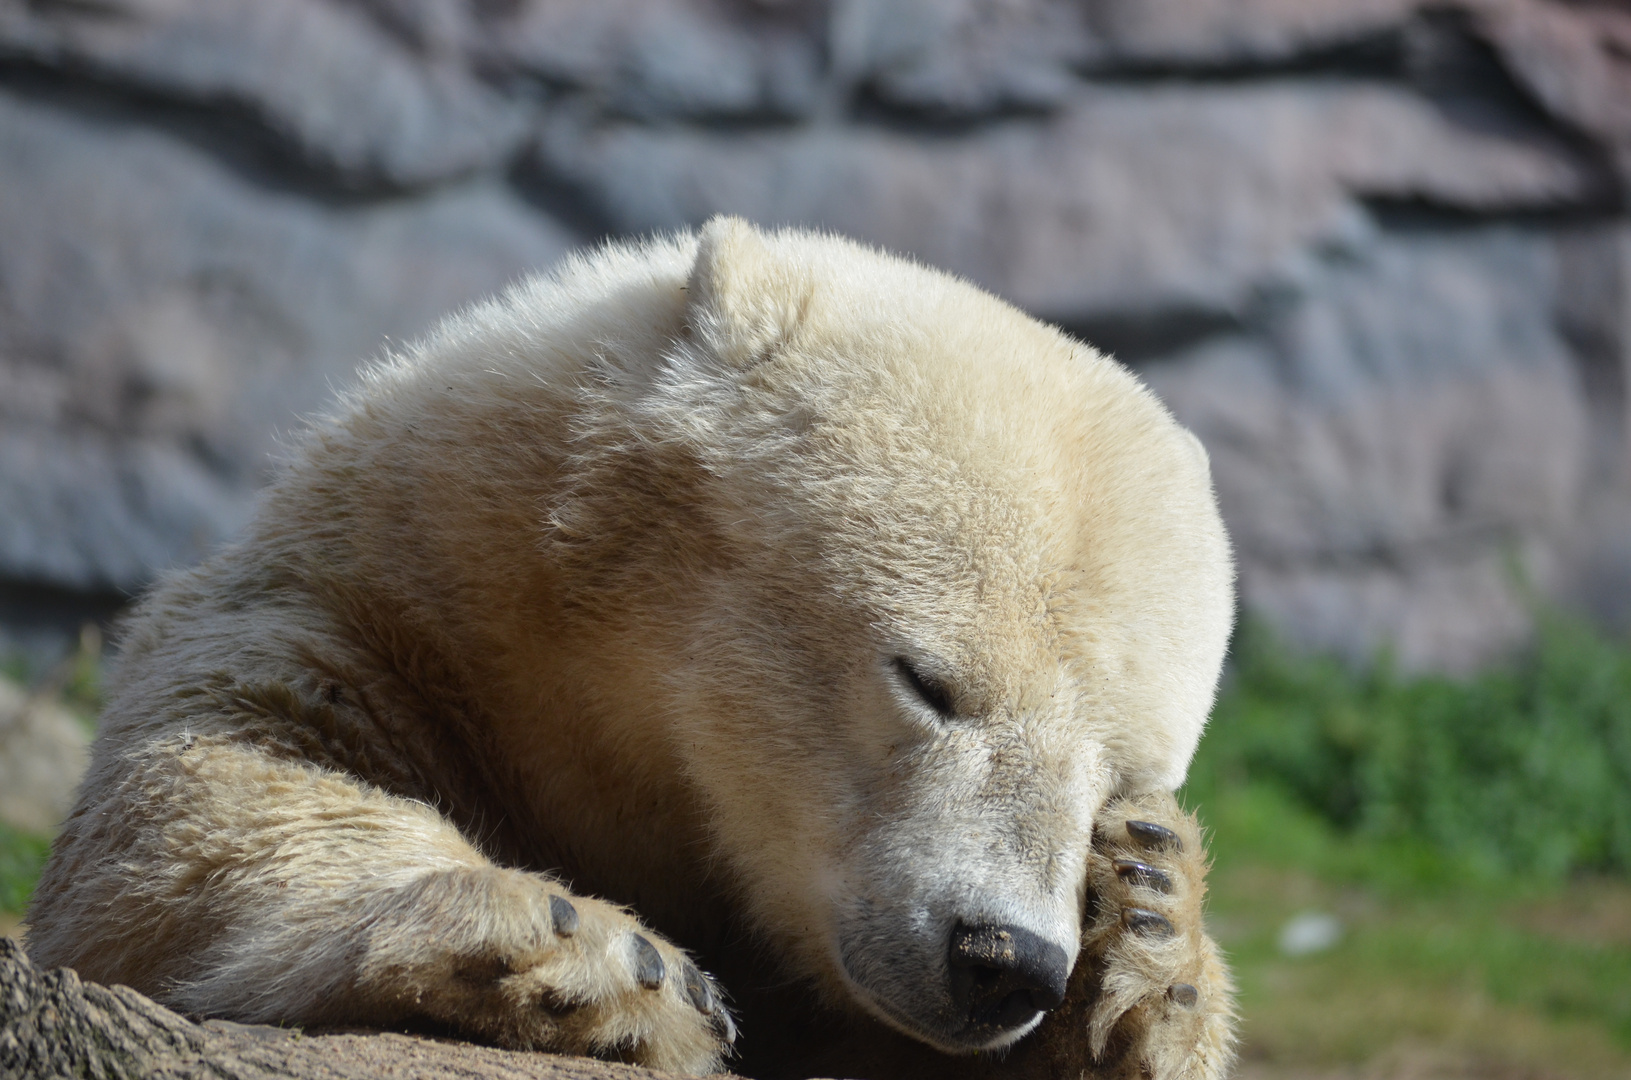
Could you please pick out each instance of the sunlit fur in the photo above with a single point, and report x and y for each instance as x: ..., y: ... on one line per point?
x: 609, y: 578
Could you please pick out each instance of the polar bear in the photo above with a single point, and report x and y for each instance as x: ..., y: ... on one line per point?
x: 755, y: 592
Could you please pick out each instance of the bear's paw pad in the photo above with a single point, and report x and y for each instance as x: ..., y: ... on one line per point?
x: 570, y: 974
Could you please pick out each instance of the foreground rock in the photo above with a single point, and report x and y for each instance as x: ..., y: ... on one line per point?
x: 54, y: 1025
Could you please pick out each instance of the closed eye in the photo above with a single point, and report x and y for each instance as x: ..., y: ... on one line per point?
x: 931, y: 690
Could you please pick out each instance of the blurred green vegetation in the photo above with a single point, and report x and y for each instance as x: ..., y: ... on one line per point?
x: 76, y: 682
x: 21, y: 857
x: 1472, y: 836
x: 1525, y: 769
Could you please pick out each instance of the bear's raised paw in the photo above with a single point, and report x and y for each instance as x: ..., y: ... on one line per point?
x: 1158, y: 1003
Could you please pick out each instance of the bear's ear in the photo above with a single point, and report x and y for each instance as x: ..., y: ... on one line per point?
x: 744, y: 298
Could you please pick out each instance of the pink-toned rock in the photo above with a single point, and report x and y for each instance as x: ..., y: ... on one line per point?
x: 1233, y: 33
x: 1576, y: 62
x: 1129, y: 200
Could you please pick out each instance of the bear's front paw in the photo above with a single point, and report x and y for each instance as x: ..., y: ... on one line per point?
x: 518, y: 960
x: 1164, y: 1006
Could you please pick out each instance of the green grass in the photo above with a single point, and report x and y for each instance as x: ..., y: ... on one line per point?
x: 21, y: 857
x: 77, y: 683
x: 1525, y: 770
x: 1494, y: 970
x: 1474, y: 837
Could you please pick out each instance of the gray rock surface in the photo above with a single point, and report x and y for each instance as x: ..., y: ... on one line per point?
x: 343, y: 92
x: 161, y: 318
x: 1126, y: 201
x: 1403, y: 451
x: 1376, y: 252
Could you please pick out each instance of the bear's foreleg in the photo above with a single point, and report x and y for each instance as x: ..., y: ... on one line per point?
x: 226, y: 881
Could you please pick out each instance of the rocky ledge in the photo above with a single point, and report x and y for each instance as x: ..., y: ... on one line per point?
x: 54, y: 1025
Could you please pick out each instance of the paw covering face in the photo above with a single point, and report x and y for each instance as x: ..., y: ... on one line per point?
x: 966, y: 581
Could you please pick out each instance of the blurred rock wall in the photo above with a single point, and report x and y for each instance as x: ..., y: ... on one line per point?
x: 1375, y: 252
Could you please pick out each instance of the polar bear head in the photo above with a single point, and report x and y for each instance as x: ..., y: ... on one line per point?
x: 950, y: 580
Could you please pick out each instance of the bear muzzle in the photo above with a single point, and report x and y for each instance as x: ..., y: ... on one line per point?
x: 979, y: 984
x: 1004, y: 977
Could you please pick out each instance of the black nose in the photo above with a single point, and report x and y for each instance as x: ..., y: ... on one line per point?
x: 1002, y: 976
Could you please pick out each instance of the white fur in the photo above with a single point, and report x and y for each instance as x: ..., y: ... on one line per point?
x: 614, y: 572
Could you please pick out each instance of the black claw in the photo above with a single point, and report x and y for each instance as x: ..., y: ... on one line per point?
x: 564, y: 915
x: 696, y: 988
x: 1154, y: 837
x: 1137, y: 873
x: 723, y: 1024
x: 706, y: 1002
x: 1183, y: 994
x: 1144, y: 921
x: 648, y: 964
